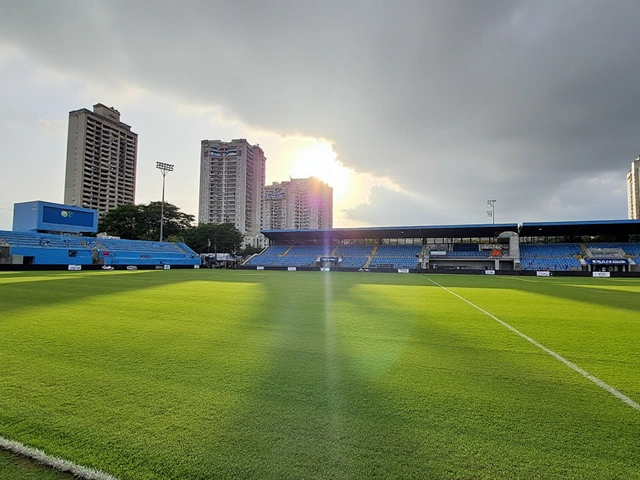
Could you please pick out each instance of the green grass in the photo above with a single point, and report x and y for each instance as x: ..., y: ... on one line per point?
x: 14, y: 467
x: 242, y: 374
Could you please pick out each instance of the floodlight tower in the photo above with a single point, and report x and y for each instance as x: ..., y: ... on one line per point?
x: 164, y: 168
x: 492, y: 213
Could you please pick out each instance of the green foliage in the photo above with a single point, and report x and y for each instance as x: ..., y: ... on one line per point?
x: 213, y: 237
x: 239, y: 374
x: 142, y: 222
x: 124, y: 222
x: 174, y: 239
x: 175, y: 222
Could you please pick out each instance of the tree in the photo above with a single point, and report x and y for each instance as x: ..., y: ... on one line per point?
x: 213, y: 237
x: 124, y: 222
x: 142, y: 222
x: 175, y: 222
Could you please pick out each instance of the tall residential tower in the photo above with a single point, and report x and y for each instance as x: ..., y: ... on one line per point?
x: 633, y: 190
x: 300, y: 204
x: 102, y: 154
x: 232, y: 186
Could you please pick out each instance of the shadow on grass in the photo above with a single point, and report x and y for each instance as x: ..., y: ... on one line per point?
x: 410, y: 399
x: 311, y: 416
x: 34, y: 289
x: 134, y: 401
x: 41, y: 289
x: 439, y: 402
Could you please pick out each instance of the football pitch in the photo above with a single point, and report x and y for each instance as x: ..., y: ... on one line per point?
x: 199, y: 374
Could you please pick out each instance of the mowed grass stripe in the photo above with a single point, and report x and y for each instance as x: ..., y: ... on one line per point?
x: 560, y: 358
x: 461, y: 375
x: 216, y: 374
x: 590, y: 322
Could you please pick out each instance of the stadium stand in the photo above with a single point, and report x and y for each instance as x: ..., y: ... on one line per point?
x: 354, y: 256
x: 394, y: 262
x: 315, y: 250
x: 142, y: 252
x: 268, y: 256
x: 556, y: 257
x: 398, y: 250
x: 289, y: 256
x: 276, y: 250
x: 396, y: 256
x: 350, y: 256
x: 294, y: 261
x: 631, y: 249
x: 354, y: 261
x: 354, y: 250
x: 48, y: 249
x: 614, y: 250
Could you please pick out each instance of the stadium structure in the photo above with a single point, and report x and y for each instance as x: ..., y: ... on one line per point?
x: 569, y: 248
x: 50, y: 236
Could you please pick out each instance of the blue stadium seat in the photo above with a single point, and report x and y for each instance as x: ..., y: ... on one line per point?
x: 553, y: 256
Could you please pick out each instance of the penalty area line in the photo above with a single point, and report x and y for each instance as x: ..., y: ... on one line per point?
x: 571, y: 365
x: 53, y: 462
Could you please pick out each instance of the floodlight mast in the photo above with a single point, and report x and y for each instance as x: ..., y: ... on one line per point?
x: 492, y: 213
x: 164, y: 168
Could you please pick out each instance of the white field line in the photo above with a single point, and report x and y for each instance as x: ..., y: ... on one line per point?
x: 569, y: 364
x: 54, y: 462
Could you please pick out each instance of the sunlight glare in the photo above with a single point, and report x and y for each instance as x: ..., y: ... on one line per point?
x: 319, y: 160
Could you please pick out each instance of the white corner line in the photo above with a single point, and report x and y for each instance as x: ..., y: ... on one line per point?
x: 54, y: 462
x: 569, y: 364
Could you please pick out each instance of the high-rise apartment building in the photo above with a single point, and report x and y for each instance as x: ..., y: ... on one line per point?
x: 300, y: 203
x: 102, y: 155
x: 633, y: 190
x: 232, y: 186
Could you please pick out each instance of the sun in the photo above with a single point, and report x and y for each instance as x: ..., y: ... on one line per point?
x: 319, y: 160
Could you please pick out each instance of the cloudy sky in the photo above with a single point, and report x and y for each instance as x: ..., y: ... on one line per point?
x: 416, y: 112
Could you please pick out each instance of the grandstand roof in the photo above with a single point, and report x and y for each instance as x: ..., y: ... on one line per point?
x: 434, y: 231
x: 615, y: 228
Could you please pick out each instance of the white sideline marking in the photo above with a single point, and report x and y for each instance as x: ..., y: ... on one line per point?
x: 569, y: 364
x: 54, y: 462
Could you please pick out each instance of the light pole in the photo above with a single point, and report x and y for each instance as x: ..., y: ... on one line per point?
x: 164, y: 168
x: 492, y: 213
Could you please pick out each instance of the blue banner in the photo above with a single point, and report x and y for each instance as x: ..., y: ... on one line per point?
x: 607, y: 261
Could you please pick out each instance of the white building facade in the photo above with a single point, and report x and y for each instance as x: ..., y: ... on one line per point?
x: 633, y: 190
x: 299, y: 204
x: 232, y: 176
x: 102, y: 156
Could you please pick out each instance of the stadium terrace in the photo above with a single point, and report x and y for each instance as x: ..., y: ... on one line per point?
x: 578, y: 248
x: 53, y: 236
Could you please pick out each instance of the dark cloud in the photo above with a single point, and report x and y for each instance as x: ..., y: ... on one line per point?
x: 457, y: 101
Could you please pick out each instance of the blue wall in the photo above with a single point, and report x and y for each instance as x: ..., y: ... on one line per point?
x: 123, y: 257
x: 55, y: 256
x: 55, y: 217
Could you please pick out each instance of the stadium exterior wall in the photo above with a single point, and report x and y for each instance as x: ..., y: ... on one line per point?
x: 55, y: 256
x: 440, y: 271
x: 65, y: 267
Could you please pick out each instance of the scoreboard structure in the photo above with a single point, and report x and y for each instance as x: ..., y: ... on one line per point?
x: 39, y: 216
